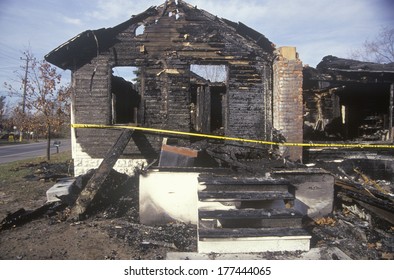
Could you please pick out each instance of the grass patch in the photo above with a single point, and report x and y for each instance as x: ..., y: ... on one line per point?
x: 20, y: 183
x: 13, y: 172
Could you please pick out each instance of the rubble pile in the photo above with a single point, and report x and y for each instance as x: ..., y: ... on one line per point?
x: 45, y: 171
x: 357, y: 233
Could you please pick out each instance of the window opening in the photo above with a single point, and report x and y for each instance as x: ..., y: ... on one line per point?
x: 124, y: 95
x: 140, y: 30
x: 211, y: 73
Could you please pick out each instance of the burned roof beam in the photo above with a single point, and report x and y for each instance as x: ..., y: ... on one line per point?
x: 249, y: 33
x: 98, y: 40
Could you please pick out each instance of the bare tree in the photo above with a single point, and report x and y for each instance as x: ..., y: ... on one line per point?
x: 2, y: 107
x: 2, y: 112
x: 213, y: 73
x: 380, y: 50
x: 43, y: 95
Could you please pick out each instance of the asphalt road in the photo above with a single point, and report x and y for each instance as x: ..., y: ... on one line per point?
x: 9, y: 153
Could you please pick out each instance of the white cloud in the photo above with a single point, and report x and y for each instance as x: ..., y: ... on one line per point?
x: 73, y: 21
x: 316, y: 28
x: 119, y: 9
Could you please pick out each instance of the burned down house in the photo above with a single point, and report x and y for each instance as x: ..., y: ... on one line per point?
x: 349, y: 100
x: 196, y: 180
x: 164, y: 43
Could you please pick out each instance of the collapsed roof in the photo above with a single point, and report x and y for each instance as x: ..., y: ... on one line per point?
x: 88, y: 44
x: 341, y: 70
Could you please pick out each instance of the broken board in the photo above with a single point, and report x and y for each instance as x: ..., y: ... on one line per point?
x: 99, y: 177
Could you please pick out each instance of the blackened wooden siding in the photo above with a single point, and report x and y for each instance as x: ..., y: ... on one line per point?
x: 165, y: 51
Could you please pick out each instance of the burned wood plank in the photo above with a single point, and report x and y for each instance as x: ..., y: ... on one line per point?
x: 99, y: 177
x: 177, y: 156
x: 377, y: 202
x: 364, y: 190
x: 383, y: 214
x: 380, y: 203
x: 23, y: 216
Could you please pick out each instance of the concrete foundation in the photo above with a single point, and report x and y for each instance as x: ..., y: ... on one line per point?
x: 83, y: 162
x: 323, y: 253
x: 255, y: 244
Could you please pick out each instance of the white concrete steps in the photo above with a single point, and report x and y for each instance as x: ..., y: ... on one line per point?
x: 266, y: 218
x: 252, y: 225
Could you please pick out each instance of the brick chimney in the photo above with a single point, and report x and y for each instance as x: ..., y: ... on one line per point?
x: 287, y: 100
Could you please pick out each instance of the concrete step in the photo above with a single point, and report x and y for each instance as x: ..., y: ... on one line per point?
x: 261, y: 218
x: 239, y: 195
x: 253, y: 218
x: 247, y: 187
x: 248, y: 240
x: 225, y: 233
x: 222, y: 182
x: 319, y: 253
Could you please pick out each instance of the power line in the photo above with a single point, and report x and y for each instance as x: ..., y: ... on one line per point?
x: 8, y: 56
x: 10, y: 51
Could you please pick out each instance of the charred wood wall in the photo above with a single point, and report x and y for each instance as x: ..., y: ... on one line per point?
x: 322, y: 112
x: 174, y: 38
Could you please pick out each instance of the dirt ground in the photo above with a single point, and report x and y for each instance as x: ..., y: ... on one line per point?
x: 113, y: 231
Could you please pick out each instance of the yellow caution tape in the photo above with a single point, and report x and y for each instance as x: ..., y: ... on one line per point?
x: 262, y: 142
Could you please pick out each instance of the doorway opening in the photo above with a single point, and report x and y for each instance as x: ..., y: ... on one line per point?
x: 208, y: 98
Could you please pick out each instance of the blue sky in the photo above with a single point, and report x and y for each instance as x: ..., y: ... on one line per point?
x: 316, y: 27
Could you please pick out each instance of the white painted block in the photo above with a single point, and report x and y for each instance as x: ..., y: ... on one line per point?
x: 314, y: 190
x: 168, y: 197
x: 61, y: 188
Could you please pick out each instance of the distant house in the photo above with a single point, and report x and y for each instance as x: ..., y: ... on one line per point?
x: 262, y: 89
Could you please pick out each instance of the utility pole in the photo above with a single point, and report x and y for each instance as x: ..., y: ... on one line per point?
x: 25, y: 80
x: 27, y: 59
x: 391, y: 113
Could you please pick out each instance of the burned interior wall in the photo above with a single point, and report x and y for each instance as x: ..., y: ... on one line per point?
x: 175, y: 35
x: 322, y: 114
x: 365, y: 111
x: 348, y: 100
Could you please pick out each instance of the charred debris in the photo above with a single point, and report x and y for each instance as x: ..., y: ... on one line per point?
x: 360, y: 225
x: 348, y: 100
x: 263, y: 93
